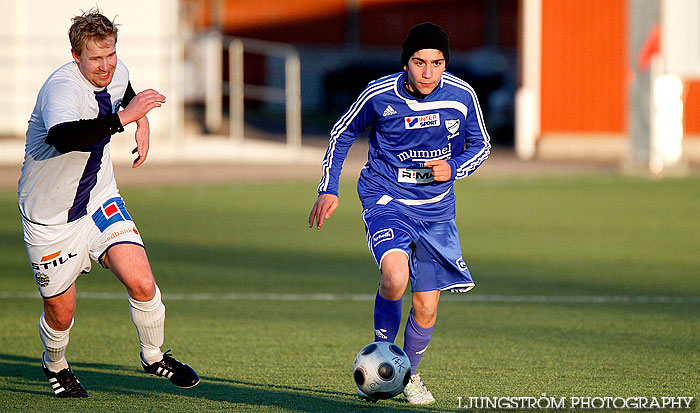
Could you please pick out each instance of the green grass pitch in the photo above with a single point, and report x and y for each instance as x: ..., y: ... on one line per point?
x: 586, y: 286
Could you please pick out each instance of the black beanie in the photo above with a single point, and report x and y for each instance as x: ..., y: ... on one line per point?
x: 425, y: 36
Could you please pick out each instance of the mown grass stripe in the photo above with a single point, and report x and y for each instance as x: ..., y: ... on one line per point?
x: 583, y: 299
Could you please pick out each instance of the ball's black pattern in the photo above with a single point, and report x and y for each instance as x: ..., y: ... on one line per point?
x: 396, y: 350
x: 369, y: 349
x: 385, y: 371
x: 359, y: 376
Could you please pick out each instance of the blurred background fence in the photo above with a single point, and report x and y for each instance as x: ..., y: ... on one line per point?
x: 556, y: 79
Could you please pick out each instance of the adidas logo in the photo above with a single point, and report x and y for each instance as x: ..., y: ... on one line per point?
x: 389, y: 111
x: 164, y: 372
x: 380, y: 332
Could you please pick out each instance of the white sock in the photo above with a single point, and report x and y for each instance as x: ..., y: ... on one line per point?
x: 149, y: 319
x: 55, y: 344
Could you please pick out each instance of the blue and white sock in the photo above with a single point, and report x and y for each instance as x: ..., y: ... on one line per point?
x: 387, y: 318
x: 415, y: 341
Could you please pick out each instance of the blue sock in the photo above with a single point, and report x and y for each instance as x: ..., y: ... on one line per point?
x: 415, y: 341
x: 387, y: 318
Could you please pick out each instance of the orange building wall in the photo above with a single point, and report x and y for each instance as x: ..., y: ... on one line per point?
x: 381, y: 22
x: 583, y: 66
x: 691, y: 112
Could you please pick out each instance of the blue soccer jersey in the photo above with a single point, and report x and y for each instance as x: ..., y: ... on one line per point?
x: 405, y: 133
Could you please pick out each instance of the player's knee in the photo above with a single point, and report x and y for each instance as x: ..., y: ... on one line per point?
x: 59, y: 320
x: 393, y: 285
x: 144, y: 289
x: 425, y: 313
x: 391, y: 290
x: 64, y: 324
x: 59, y: 314
x: 394, y: 278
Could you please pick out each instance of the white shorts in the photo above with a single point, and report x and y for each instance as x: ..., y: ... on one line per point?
x: 58, y: 254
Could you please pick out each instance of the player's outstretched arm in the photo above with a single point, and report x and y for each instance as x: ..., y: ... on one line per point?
x: 136, y: 111
x: 322, y: 210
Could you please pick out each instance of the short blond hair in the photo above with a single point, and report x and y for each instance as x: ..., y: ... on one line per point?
x: 90, y: 25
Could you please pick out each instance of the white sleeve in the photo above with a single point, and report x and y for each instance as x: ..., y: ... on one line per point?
x: 61, y: 103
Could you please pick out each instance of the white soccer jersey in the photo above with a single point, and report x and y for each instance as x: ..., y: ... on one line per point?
x: 56, y: 188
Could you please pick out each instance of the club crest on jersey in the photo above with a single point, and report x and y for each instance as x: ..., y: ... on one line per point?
x: 382, y: 235
x: 419, y: 122
x: 461, y: 264
x: 110, y: 212
x: 452, y: 126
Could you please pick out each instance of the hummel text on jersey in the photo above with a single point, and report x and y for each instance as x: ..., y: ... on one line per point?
x: 417, y: 155
x: 425, y: 121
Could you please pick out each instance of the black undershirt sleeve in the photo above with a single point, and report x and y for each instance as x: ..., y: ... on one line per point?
x: 80, y: 134
x: 128, y: 95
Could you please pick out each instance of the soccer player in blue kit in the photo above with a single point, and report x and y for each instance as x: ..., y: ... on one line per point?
x: 427, y: 130
x: 71, y: 208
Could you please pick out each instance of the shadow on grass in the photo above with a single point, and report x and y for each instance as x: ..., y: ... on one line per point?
x: 121, y: 381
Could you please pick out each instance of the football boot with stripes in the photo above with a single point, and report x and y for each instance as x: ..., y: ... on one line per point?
x: 64, y: 383
x: 179, y: 373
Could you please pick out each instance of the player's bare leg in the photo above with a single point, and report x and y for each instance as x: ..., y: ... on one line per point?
x: 419, y: 327
x: 54, y: 327
x: 130, y: 264
x: 59, y: 310
x: 425, y: 306
x: 394, y: 275
x: 388, y: 302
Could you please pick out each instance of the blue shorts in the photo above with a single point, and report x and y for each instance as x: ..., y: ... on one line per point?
x: 434, y: 254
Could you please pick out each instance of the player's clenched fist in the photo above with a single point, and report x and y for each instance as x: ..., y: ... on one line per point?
x: 441, y: 169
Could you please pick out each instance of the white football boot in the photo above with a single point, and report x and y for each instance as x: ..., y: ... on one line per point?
x: 416, y: 392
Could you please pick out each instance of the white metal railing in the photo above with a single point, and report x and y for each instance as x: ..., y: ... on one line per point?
x: 290, y: 95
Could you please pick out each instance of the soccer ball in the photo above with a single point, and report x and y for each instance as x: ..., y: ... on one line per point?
x: 381, y: 370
